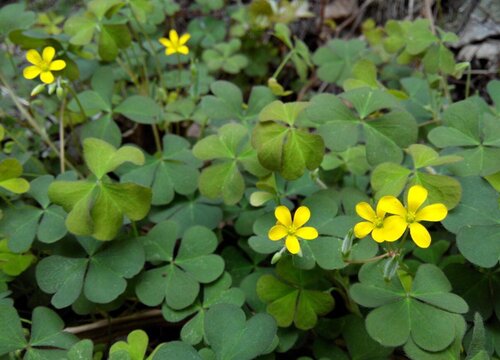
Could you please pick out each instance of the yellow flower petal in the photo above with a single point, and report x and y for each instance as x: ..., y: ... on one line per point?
x: 174, y: 37
x: 165, y: 42
x: 170, y: 51
x: 47, y: 77
x: 307, y: 233
x: 48, y: 54
x: 378, y: 234
x: 416, y: 197
x: 420, y: 235
x: 362, y: 229
x: 292, y: 244
x: 392, y: 205
x: 364, y: 210
x: 57, y: 65
x: 31, y: 72
x: 301, y: 216
x: 184, y: 39
x: 277, y: 232
x: 183, y: 49
x: 33, y: 57
x: 434, y: 212
x: 283, y: 215
x: 380, y: 212
x: 393, y: 227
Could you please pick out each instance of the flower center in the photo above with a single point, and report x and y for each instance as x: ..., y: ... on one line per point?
x: 291, y: 230
x: 44, y: 66
x: 379, y: 222
x: 410, y: 217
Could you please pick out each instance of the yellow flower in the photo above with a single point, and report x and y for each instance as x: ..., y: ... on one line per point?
x: 174, y: 44
x: 381, y: 228
x: 292, y: 230
x: 412, y: 215
x: 43, y: 65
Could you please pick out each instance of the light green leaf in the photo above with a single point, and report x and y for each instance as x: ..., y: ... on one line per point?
x: 141, y: 109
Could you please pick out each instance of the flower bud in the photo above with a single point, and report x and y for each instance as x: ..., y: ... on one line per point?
x: 37, y: 89
x: 391, y: 267
x: 347, y: 243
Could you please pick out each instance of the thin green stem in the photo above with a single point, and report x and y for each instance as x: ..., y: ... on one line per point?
x: 468, y: 80
x: 364, y: 261
x: 75, y: 96
x: 179, y: 68
x: 156, y: 135
x: 62, y: 156
x: 150, y: 43
x: 282, y: 64
x: 32, y: 122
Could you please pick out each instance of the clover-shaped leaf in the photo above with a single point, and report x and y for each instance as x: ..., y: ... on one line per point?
x: 226, y: 103
x: 336, y: 59
x: 295, y: 296
x: 134, y: 348
x: 391, y: 179
x: 100, y: 274
x: 224, y: 56
x: 476, y: 221
x: 22, y: 224
x: 283, y: 147
x: 47, y: 339
x: 421, y: 312
x: 175, y: 171
x: 13, y: 264
x: 10, y: 172
x: 384, y: 134
x: 177, y: 280
x: 218, y: 292
x: 97, y: 207
x: 175, y: 350
x: 238, y: 339
x: 231, y: 148
x: 473, y: 133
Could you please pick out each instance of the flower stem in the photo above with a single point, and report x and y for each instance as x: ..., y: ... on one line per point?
x: 282, y: 64
x: 62, y: 156
x: 372, y: 259
x: 32, y: 122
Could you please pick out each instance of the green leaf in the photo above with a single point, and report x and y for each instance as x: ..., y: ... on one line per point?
x: 478, y: 340
x: 13, y: 264
x: 141, y: 109
x: 197, y: 211
x: 10, y: 172
x: 287, y: 150
x: 80, y: 28
x: 480, y: 245
x: 389, y: 179
x: 239, y: 339
x: 421, y: 313
x: 286, y: 113
x: 177, y: 280
x: 135, y: 346
x: 11, y: 331
x: 336, y: 59
x: 101, y: 276
x: 442, y: 189
x: 175, y: 350
x: 82, y: 350
x: 366, y: 101
x: 222, y: 180
x: 479, y: 206
x: 14, y: 16
x: 293, y: 300
x: 468, y: 125
x: 438, y: 58
x: 174, y: 172
x: 91, y: 101
x: 102, y: 157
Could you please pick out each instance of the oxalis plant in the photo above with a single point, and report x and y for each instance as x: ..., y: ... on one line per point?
x: 200, y: 182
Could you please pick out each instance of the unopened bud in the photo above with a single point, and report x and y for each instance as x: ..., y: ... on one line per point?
x: 347, y: 243
x: 390, y: 268
x: 60, y: 92
x: 277, y: 257
x: 52, y: 88
x: 37, y: 89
